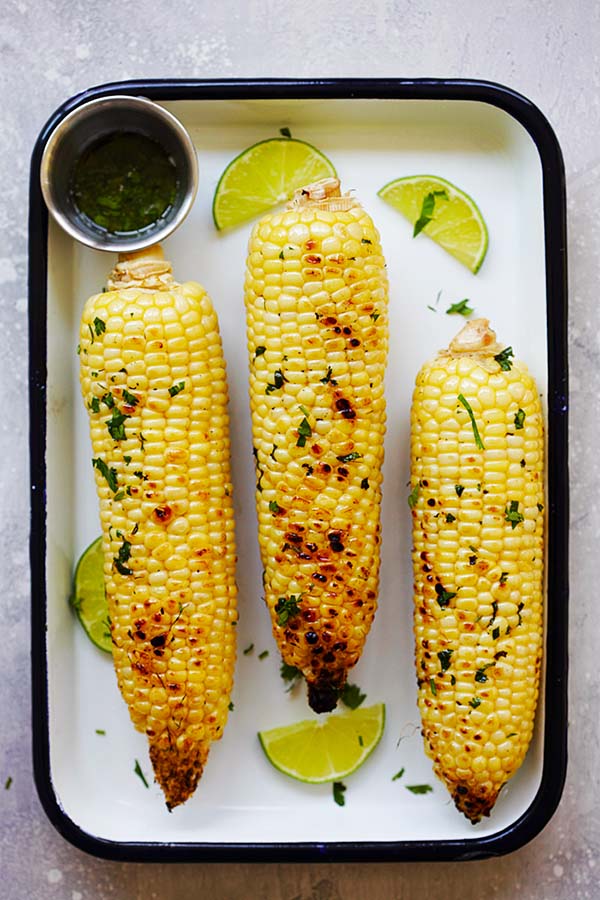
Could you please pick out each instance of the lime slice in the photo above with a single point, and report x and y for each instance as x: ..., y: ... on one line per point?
x: 456, y: 223
x: 318, y: 751
x: 265, y: 175
x: 89, y: 598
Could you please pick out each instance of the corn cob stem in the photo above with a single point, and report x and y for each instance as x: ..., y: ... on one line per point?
x: 153, y: 380
x: 477, y: 500
x: 316, y: 301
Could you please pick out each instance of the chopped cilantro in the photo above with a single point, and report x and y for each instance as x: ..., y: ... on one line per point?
x: 338, y: 793
x: 503, y: 577
x: 290, y: 675
x: 519, y: 419
x: 176, y: 388
x: 480, y: 676
x: 540, y: 506
x: 444, y: 657
x: 126, y: 459
x: 512, y: 734
x: 475, y: 702
x: 8, y: 783
x: 364, y: 484
x: 450, y: 517
x: 108, y: 399
x: 349, y: 457
x: 285, y: 132
x: 259, y: 351
x: 231, y: 707
x: 274, y: 507
x: 418, y: 788
x: 360, y: 740
x: 352, y: 696
x: 443, y: 596
x: 115, y: 425
x: 140, y: 774
x: 512, y: 514
x: 375, y: 316
x: 459, y: 488
x: 91, y: 333
x: 287, y: 608
x: 365, y: 241
x: 278, y: 380
x: 122, y: 557
x: 263, y: 655
x: 119, y: 495
x: 427, y: 207
x: 504, y: 359
x: 465, y: 403
x: 304, y: 431
x: 398, y: 774
x: 328, y: 377
x: 433, y: 687
x: 461, y: 308
x: 281, y: 256
x: 414, y: 496
x: 130, y: 399
x: 100, y: 731
x: 99, y: 326
x: 95, y: 405
x: 248, y: 649
x: 109, y: 474
x: 495, y: 633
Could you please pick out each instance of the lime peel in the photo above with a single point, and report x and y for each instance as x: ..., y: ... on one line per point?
x: 319, y: 751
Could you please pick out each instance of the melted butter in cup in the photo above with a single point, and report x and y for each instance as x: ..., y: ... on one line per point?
x: 119, y: 173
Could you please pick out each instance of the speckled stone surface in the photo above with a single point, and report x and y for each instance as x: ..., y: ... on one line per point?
x: 51, y: 49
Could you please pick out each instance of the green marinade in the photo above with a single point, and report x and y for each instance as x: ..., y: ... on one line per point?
x: 124, y: 183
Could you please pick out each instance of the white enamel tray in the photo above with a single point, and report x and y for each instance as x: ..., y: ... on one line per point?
x: 500, y: 150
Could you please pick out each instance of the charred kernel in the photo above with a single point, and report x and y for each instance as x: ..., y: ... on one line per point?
x: 140, y: 635
x: 342, y: 471
x: 355, y: 342
x: 337, y: 547
x: 318, y: 577
x: 293, y: 537
x: 311, y: 637
x: 325, y: 467
x: 347, y: 330
x: 329, y: 320
x: 162, y: 514
x: 158, y: 641
x: 431, y: 502
x: 342, y: 403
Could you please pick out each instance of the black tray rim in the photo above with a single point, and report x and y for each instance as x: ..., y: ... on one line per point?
x: 543, y: 806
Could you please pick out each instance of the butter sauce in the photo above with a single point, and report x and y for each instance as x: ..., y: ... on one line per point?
x: 124, y: 182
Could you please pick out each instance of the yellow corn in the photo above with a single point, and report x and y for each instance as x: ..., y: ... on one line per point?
x: 478, y: 561
x: 316, y: 301
x: 153, y: 380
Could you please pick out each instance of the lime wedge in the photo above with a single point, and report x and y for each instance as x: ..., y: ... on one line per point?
x: 89, y: 598
x: 318, y: 751
x: 265, y: 175
x: 456, y: 223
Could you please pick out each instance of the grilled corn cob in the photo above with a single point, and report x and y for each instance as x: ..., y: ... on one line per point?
x: 477, y: 495
x: 316, y: 301
x: 153, y: 380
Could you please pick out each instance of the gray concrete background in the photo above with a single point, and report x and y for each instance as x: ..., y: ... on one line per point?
x: 550, y: 51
